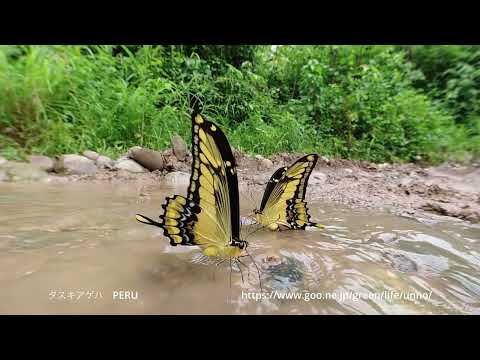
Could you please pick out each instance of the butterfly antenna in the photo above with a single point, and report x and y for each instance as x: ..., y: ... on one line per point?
x: 239, y: 268
x: 220, y: 262
x: 258, y: 270
x: 248, y: 269
x: 250, y: 195
x: 230, y: 273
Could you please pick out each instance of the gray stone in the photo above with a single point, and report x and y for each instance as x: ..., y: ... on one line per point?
x: 177, y: 178
x: 92, y: 155
x: 260, y: 179
x: 2, y: 160
x: 43, y: 162
x: 259, y: 157
x: 104, y: 162
x: 179, y: 148
x: 317, y: 178
x: 121, y: 158
x: 73, y: 164
x: 17, y: 171
x: 130, y: 166
x: 3, y: 175
x: 132, y: 150
x: 265, y: 164
x: 152, y: 160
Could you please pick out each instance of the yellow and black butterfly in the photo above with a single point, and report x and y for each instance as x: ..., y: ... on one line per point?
x: 283, y: 204
x: 209, y: 216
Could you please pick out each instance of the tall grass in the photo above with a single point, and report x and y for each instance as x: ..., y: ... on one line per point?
x: 355, y: 102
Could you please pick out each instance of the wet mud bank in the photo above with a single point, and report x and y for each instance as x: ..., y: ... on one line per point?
x: 409, y: 190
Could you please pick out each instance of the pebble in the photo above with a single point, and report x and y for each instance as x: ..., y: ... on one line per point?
x: 179, y: 147
x: 72, y: 164
x: 92, y: 155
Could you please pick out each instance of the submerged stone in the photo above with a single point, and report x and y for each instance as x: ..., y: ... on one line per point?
x: 16, y: 171
x: 177, y: 178
x: 400, y: 262
x: 265, y: 164
x: 44, y: 162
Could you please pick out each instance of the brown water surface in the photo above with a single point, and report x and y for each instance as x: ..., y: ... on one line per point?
x: 68, y: 248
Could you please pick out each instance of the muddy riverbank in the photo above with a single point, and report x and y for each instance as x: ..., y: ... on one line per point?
x: 448, y: 190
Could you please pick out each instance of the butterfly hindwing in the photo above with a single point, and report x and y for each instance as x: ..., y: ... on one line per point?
x: 177, y: 220
x: 298, y: 216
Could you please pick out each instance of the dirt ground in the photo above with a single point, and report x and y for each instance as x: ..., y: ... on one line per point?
x: 448, y: 190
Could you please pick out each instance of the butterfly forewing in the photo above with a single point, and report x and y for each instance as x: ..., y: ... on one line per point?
x: 209, y: 216
x: 214, y: 185
x: 283, y: 201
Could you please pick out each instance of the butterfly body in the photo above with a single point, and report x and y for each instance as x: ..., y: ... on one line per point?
x: 209, y: 216
x: 283, y: 205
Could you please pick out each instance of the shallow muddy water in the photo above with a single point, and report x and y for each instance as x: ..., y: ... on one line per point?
x: 76, y: 248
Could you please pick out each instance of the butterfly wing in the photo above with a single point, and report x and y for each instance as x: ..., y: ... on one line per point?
x: 209, y: 216
x: 272, y: 183
x: 283, y: 201
x: 214, y: 187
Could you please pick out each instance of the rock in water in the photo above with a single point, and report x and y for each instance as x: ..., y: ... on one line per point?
x: 92, y: 155
x: 16, y: 171
x: 72, y: 164
x: 325, y: 159
x: 130, y: 166
x: 104, y: 162
x: 177, y: 178
x: 400, y: 262
x: 264, y: 164
x: 179, y: 148
x: 3, y: 175
x: 317, y: 178
x: 152, y: 160
x: 43, y: 162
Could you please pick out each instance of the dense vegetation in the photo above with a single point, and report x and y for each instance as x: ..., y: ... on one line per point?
x: 380, y: 103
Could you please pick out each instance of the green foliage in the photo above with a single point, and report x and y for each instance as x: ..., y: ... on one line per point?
x: 452, y: 76
x: 366, y: 102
